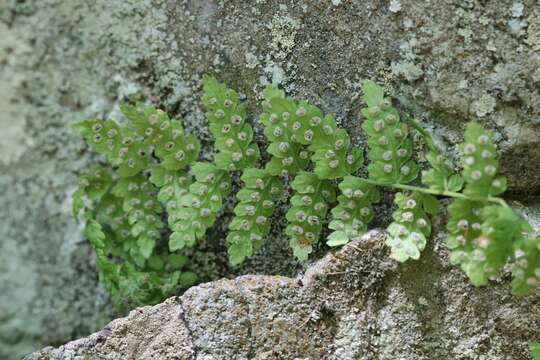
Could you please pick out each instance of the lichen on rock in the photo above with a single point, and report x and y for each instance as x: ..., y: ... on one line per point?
x: 63, y: 61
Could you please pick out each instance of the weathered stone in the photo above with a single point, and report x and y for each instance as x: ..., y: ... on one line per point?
x: 447, y: 62
x: 354, y: 303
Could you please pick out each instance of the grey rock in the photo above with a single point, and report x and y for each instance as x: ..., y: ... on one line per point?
x: 61, y: 61
x: 354, y: 303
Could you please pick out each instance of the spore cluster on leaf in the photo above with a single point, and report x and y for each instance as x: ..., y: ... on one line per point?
x: 155, y: 199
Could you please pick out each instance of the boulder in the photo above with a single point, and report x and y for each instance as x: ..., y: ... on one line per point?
x: 355, y: 303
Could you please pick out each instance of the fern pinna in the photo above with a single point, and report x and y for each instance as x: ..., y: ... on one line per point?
x: 156, y: 199
x: 235, y: 151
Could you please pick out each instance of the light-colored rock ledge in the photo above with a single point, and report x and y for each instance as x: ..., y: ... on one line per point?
x: 354, y: 303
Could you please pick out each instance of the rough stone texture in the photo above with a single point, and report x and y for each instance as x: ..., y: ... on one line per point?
x: 447, y: 61
x: 352, y: 304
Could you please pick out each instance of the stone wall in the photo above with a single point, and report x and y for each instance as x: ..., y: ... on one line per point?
x: 447, y: 62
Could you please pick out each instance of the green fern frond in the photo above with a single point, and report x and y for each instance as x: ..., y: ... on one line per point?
x: 534, y: 348
x: 122, y: 146
x: 172, y: 146
x: 153, y: 163
x: 411, y: 226
x: 93, y: 185
x: 173, y: 185
x: 484, y: 252
x: 479, y: 252
x: 296, y: 131
x: 464, y: 226
x: 480, y: 163
x: 288, y: 156
x: 308, y: 211
x: 198, y: 207
x: 390, y: 148
x: 143, y: 210
x: 354, y: 211
x: 252, y: 214
x: 103, y: 136
x: 130, y: 281
x: 235, y: 151
x: 440, y: 176
x: 109, y: 212
x: 332, y: 157
x: 93, y: 231
x: 526, y: 265
x: 227, y: 119
x: 484, y: 236
x: 262, y: 187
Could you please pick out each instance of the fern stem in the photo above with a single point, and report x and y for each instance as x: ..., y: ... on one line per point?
x: 451, y: 194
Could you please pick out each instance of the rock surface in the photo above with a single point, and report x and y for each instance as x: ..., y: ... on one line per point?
x: 352, y: 304
x: 447, y: 62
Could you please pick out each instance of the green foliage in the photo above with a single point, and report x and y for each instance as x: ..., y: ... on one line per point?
x: 483, y: 235
x: 143, y: 212
x: 390, y: 152
x: 535, y: 350
x: 234, y: 151
x: 287, y: 156
x: 92, y: 185
x: 479, y: 254
x: 350, y: 218
x: 171, y: 145
x: 173, y: 185
x: 123, y: 209
x: 155, y: 175
x: 526, y: 266
x: 300, y: 132
x: 440, y: 176
x: 252, y: 221
x: 307, y: 213
x: 262, y: 187
x: 135, y: 285
x: 198, y: 207
x: 227, y: 119
x: 390, y: 148
x: 480, y: 163
x: 411, y: 226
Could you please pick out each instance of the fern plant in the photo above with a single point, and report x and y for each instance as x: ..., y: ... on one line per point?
x: 155, y: 199
x: 119, y: 204
x: 484, y: 232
